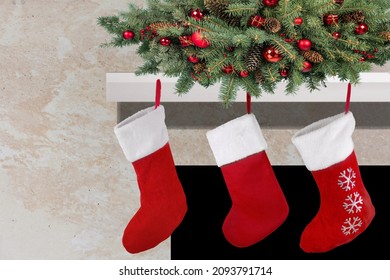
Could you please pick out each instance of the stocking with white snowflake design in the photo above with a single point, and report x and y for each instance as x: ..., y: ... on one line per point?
x: 346, y: 210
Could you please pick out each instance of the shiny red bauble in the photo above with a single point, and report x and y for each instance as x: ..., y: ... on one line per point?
x: 193, y: 59
x: 128, y: 35
x: 200, y: 40
x: 165, y: 42
x: 270, y: 3
x: 271, y: 54
x: 284, y: 73
x: 298, y: 21
x: 331, y: 19
x: 304, y: 44
x: 196, y: 14
x: 336, y: 35
x: 307, y: 66
x: 361, y: 28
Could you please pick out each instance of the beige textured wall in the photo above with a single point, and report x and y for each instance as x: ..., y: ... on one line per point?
x: 66, y: 190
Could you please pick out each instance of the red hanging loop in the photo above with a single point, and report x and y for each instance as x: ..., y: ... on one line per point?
x: 158, y: 94
x: 348, y: 101
x: 248, y: 103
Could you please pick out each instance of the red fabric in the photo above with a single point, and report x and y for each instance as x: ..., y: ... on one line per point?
x: 340, y: 187
x: 258, y: 203
x: 248, y: 103
x: 163, y: 202
x: 158, y: 94
x: 348, y: 100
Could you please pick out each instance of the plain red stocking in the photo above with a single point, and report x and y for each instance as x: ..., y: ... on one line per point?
x: 258, y: 203
x: 144, y: 141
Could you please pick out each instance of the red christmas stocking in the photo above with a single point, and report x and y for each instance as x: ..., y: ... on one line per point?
x: 258, y: 204
x: 346, y: 209
x: 144, y: 141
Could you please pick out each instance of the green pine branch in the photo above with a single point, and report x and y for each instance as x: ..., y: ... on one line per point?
x: 226, y: 27
x: 228, y: 91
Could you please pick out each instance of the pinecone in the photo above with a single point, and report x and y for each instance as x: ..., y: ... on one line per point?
x: 259, y: 77
x: 155, y: 26
x: 355, y: 17
x: 199, y: 67
x: 253, y: 58
x: 218, y: 9
x: 272, y: 24
x: 313, y: 56
x: 385, y: 35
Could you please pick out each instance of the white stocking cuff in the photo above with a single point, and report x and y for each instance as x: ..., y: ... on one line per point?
x: 326, y: 142
x: 236, y: 139
x: 142, y: 133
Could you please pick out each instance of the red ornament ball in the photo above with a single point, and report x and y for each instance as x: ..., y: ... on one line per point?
x: 331, y: 19
x: 165, y: 42
x: 200, y: 40
x: 304, y: 44
x: 336, y: 35
x: 271, y: 54
x: 193, y: 59
x: 284, y: 73
x: 307, y: 66
x: 128, y: 35
x: 196, y: 14
x: 270, y: 3
x: 256, y: 21
x: 298, y: 21
x: 228, y: 69
x: 362, y: 59
x: 361, y: 28
x: 244, y: 73
x: 340, y: 2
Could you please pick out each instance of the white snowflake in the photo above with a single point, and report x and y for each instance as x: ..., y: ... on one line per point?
x: 351, y: 225
x: 353, y: 202
x: 346, y: 179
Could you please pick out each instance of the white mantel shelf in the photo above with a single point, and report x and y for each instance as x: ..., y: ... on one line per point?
x: 127, y: 87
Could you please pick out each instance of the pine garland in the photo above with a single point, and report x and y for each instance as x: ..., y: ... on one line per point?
x: 195, y: 40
